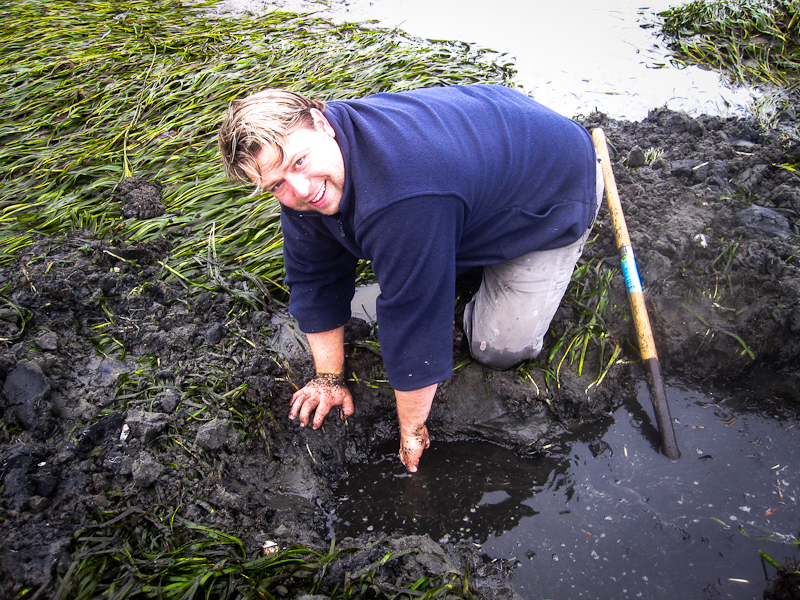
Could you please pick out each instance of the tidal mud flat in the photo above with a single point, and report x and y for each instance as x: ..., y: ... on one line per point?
x: 134, y: 404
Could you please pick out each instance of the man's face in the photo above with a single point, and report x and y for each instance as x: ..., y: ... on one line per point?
x: 311, y: 175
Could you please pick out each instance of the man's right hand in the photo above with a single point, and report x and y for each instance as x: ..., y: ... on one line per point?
x: 319, y: 396
x: 413, y: 408
x: 412, y: 445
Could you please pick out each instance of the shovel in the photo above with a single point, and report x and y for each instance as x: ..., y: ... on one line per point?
x: 647, y: 346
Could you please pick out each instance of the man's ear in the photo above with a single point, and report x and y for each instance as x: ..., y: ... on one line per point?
x: 321, y: 123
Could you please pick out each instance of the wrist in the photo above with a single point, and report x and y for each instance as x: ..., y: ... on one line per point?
x: 412, y: 429
x: 327, y: 348
x: 413, y: 408
x: 329, y: 380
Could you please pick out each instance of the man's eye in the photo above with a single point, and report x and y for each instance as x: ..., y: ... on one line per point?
x: 300, y: 162
x: 276, y: 187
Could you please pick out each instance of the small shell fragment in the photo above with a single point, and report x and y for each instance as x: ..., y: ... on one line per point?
x: 269, y: 547
x: 125, y: 433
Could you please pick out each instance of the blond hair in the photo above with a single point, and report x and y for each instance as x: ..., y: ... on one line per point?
x: 258, y: 121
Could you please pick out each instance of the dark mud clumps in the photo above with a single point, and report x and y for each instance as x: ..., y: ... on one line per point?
x: 712, y: 207
x: 786, y: 585
x: 108, y: 255
x: 130, y: 401
x: 129, y: 397
x: 141, y: 198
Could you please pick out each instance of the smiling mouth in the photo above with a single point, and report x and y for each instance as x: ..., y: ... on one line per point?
x: 318, y: 198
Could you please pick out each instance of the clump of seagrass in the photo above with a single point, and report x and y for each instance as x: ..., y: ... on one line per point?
x: 135, y: 555
x: 786, y: 585
x: 141, y: 198
x: 749, y: 42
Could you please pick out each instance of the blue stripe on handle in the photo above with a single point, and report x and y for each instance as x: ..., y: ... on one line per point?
x: 629, y: 270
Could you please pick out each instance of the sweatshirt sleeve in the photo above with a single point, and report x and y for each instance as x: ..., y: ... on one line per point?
x: 320, y: 273
x: 413, y: 248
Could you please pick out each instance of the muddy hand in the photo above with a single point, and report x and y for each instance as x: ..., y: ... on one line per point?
x: 320, y: 395
x: 412, y: 446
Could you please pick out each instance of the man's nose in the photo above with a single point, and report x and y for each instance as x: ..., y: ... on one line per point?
x: 299, y: 184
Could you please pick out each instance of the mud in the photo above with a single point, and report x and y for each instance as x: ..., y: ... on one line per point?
x: 140, y: 198
x: 787, y: 585
x: 125, y: 389
x: 714, y: 225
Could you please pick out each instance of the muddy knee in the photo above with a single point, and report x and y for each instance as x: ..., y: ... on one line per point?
x: 500, y: 358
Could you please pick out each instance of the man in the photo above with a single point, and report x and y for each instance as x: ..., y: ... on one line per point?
x: 426, y: 184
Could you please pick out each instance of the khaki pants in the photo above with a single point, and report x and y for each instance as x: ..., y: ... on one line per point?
x: 506, y: 320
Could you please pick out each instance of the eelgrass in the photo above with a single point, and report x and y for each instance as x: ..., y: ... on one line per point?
x: 137, y: 554
x: 586, y: 335
x: 753, y: 42
x: 93, y: 92
x: 786, y: 583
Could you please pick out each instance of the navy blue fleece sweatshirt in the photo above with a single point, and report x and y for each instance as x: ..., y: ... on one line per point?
x: 437, y: 181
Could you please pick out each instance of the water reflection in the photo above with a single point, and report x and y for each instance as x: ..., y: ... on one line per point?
x: 575, y: 56
x: 466, y: 490
x: 605, y: 515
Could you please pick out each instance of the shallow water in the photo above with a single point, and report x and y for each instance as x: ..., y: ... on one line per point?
x: 575, y: 56
x: 363, y: 304
x: 605, y: 515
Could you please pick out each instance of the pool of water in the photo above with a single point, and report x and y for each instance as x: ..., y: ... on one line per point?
x: 575, y: 56
x: 604, y: 515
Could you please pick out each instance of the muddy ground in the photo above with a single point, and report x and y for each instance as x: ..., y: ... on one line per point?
x: 125, y: 390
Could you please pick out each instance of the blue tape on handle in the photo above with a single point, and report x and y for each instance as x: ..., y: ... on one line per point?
x: 629, y: 270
